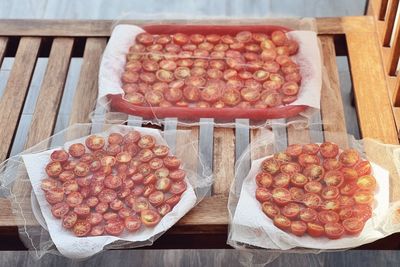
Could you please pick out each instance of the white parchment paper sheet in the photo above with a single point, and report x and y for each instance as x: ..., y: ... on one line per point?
x: 251, y: 226
x: 123, y: 36
x: 81, y: 247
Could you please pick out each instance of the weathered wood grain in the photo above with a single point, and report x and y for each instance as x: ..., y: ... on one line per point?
x: 390, y: 18
x: 86, y: 91
x: 13, y: 97
x: 331, y: 100
x: 3, y: 46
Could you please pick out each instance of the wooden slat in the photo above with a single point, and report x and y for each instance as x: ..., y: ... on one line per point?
x: 382, y: 9
x: 224, y: 160
x: 86, y: 91
x: 389, y: 21
x: 340, y: 25
x: 51, y: 91
x: 371, y: 96
x: 331, y: 99
x: 394, y: 53
x: 13, y: 98
x: 3, y: 46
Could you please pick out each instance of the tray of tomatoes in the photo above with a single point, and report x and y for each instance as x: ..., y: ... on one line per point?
x: 120, y: 184
x: 204, y: 71
x: 317, y: 196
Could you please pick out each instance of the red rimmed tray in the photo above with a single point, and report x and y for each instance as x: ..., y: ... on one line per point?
x: 117, y: 102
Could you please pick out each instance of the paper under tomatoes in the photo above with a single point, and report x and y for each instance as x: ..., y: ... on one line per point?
x: 194, y: 67
x: 113, y: 183
x: 316, y: 189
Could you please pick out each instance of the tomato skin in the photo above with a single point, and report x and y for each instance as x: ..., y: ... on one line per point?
x: 313, y: 187
x: 114, y: 227
x: 48, y: 184
x: 308, y: 215
x: 312, y: 200
x: 132, y: 223
x: 349, y: 189
x: 334, y: 178
x: 366, y: 182
x: 299, y: 180
x: 330, y: 192
x: 363, y: 168
x: 264, y: 179
x: 59, y: 155
x: 82, y: 228
x: 297, y: 194
x: 331, y: 164
x: 315, y: 229
x: 294, y: 150
x: 328, y: 216
x: 281, y: 180
x: 54, y: 169
x: 311, y: 149
x: 349, y: 157
x: 270, y: 209
x: 60, y: 209
x: 290, y: 168
x: 55, y: 195
x: 308, y: 159
x: 69, y: 220
x: 164, y: 209
x: 173, y: 200
x: 298, y: 228
x: 76, y: 150
x: 281, y: 196
x: 270, y: 166
x: 329, y: 150
x: 291, y: 210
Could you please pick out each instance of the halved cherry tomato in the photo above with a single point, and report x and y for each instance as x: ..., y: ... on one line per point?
x: 82, y: 228
x: 139, y: 204
x: 231, y: 97
x: 156, y: 198
x: 54, y: 169
x: 191, y: 93
x: 313, y: 187
x: 145, y: 191
x: 333, y: 230
x: 291, y: 210
x: 263, y: 194
x: 299, y: 180
x: 113, y: 181
x: 54, y: 195
x: 82, y: 210
x: 250, y: 94
x: 308, y: 215
x: 363, y: 168
x: 108, y: 161
x: 173, y: 94
x: 73, y: 199
x: 264, y: 179
x: 177, y: 175
x: 150, y: 218
x: 160, y: 151
x: 363, y: 197
x: 172, y: 162
x: 146, y: 141
x: 81, y: 169
x: 270, y: 166
x: 134, y: 98
x: 332, y: 204
x: 282, y: 157
x: 70, y: 186
x: 270, y: 209
x: 132, y: 223
x: 333, y: 178
x: 150, y: 179
x: 315, y: 229
x: 163, y: 184
x: 212, y: 92
x: 281, y: 180
x: 328, y: 216
x: 281, y: 196
x: 313, y: 171
x: 282, y: 222
x: 298, y: 228
x: 297, y: 194
x: 144, y: 38
x: 107, y: 195
x: 349, y: 189
x: 353, y: 226
x: 113, y: 149
x: 366, y: 182
x: 59, y: 155
x: 330, y: 192
x: 290, y: 88
x: 48, y: 184
x: 92, y: 201
x: 331, y: 164
x: 294, y: 150
x: 69, y: 220
x: 173, y: 200
x: 329, y: 150
x: 362, y: 211
x: 178, y: 187
x: 312, y: 200
x: 164, y: 209
x: 346, y: 201
x: 279, y: 37
x: 311, y: 149
x: 307, y: 159
x: 131, y: 137
x: 60, y: 209
x: 349, y: 174
x: 102, y: 207
x: 156, y: 163
x: 95, y: 142
x: 290, y: 168
x: 144, y: 169
x: 349, y: 157
x: 114, y: 227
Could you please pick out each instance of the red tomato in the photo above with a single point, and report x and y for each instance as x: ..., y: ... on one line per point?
x: 281, y: 196
x: 363, y: 197
x: 346, y: 201
x: 114, y: 227
x: 363, y: 212
x: 349, y: 174
x: 329, y: 150
x: 298, y: 228
x: 116, y: 204
x: 132, y: 223
x: 314, y: 172
x: 59, y: 155
x: 135, y: 98
x: 191, y: 93
x: 113, y: 149
x: 54, y: 169
x: 81, y: 169
x: 150, y: 218
x: 307, y: 159
x: 281, y: 180
x: 311, y: 149
x: 70, y: 186
x: 92, y: 201
x: 150, y: 179
x: 82, y: 228
x: 144, y: 38
x: 270, y: 166
x: 82, y: 210
x: 328, y: 216
x: 333, y: 178
x: 227, y: 39
x: 282, y: 157
x: 263, y: 195
x: 312, y: 200
x: 349, y: 157
x: 212, y: 92
x: 290, y: 168
x: 173, y: 94
x: 156, y: 163
x: 156, y: 198
x: 131, y: 137
x: 178, y: 187
x: 107, y: 195
x: 231, y: 97
x: 270, y: 209
x: 308, y: 215
x: 96, y: 187
x: 250, y: 94
x: 353, y: 226
x: 109, y: 216
x: 363, y: 168
x: 331, y: 164
x: 291, y: 210
x: 55, y: 195
x: 299, y: 180
x: 70, y: 165
x: 315, y: 229
x: 137, y: 178
x: 282, y: 222
x: 147, y: 190
x: 366, y: 182
x: 146, y: 141
x: 60, y: 209
x: 48, y: 184
x: 144, y: 169
x: 69, y: 220
x: 113, y: 181
x: 173, y: 200
x: 108, y: 161
x: 297, y: 194
x: 294, y: 150
x: 330, y: 192
x: 95, y: 166
x: 102, y: 207
x: 279, y: 37
x: 172, y: 162
x: 164, y: 209
x: 160, y: 151
x: 97, y: 230
x: 73, y: 199
x: 334, y: 230
x: 346, y: 213
x: 313, y: 187
x: 139, y: 204
x: 264, y: 179
x: 163, y: 184
x: 290, y: 88
x: 95, y: 142
x: 332, y: 204
x: 76, y: 150
x: 124, y: 157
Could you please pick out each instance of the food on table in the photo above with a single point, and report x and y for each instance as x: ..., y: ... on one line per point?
x: 246, y: 70
x: 316, y: 189
x: 112, y: 185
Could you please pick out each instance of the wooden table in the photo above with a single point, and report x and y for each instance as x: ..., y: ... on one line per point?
x: 59, y: 40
